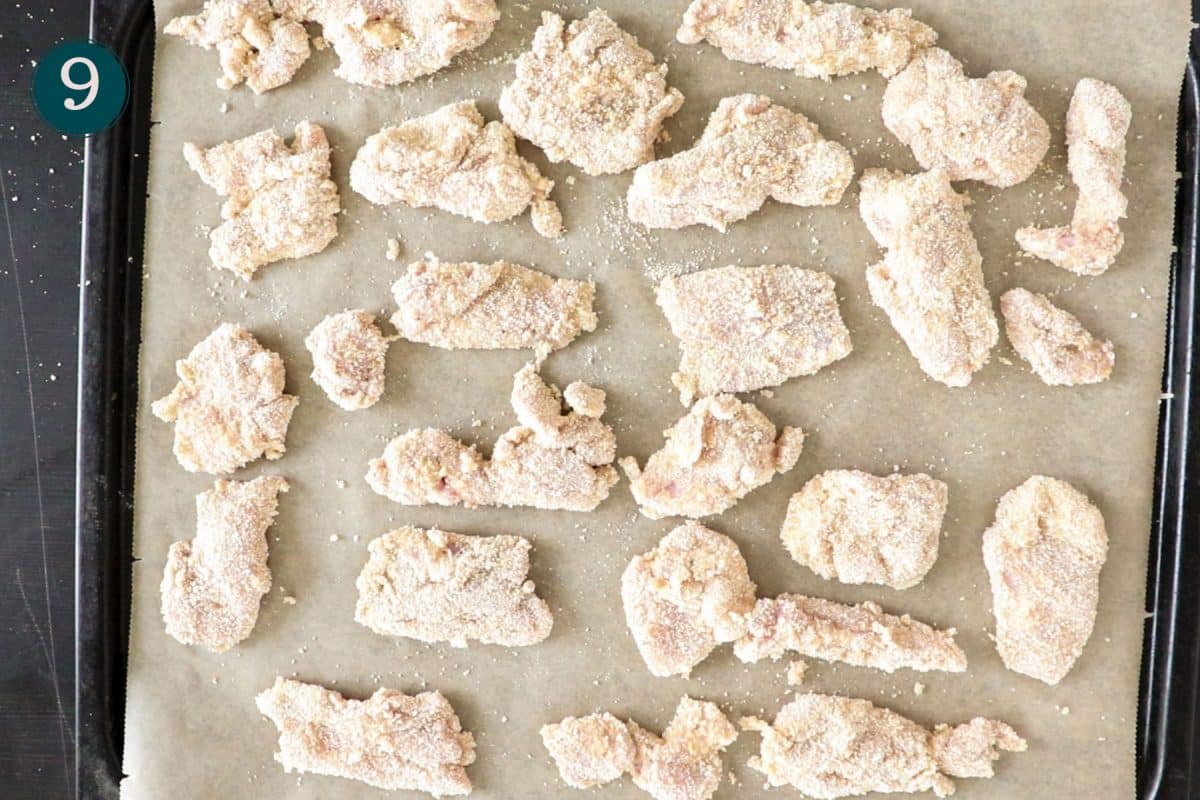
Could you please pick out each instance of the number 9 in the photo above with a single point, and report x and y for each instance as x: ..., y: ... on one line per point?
x: 92, y: 84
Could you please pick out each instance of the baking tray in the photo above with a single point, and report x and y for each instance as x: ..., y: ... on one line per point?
x: 109, y: 325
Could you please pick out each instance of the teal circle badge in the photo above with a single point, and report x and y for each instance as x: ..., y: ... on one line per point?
x: 80, y: 87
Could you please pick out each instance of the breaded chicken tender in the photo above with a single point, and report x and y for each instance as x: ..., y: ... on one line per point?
x: 1054, y: 342
x: 686, y: 596
x: 212, y: 585
x: 930, y: 282
x: 828, y: 747
x: 589, y: 751
x: 715, y: 455
x: 348, y: 351
x: 1097, y: 124
x: 747, y: 328
x: 751, y: 150
x: 391, y: 740
x: 451, y: 160
x: 229, y: 407
x: 282, y: 203
x: 855, y: 527
x: 588, y: 94
x: 438, y: 586
x: 1043, y: 556
x: 816, y: 40
x: 977, y: 129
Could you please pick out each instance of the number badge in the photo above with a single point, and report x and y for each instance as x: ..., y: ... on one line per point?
x: 80, y: 87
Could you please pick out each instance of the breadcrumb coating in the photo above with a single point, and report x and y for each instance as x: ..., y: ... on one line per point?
x: 348, y: 351
x: 1057, y: 346
x: 589, y: 751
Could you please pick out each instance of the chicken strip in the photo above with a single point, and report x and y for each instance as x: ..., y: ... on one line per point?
x: 1043, y: 555
x: 1097, y: 124
x: 686, y: 596
x: 451, y: 160
x: 747, y: 328
x: 348, y: 351
x: 829, y: 747
x: 229, y: 407
x: 1061, y: 351
x: 930, y: 282
x: 212, y: 585
x: 551, y: 460
x: 389, y: 42
x: 255, y: 45
x: 715, y: 455
x: 438, y: 586
x: 861, y: 635
x: 816, y: 40
x: 281, y: 202
x: 588, y: 94
x: 391, y: 740
x: 855, y: 527
x: 491, y: 306
x: 589, y: 751
x: 976, y: 129
x: 751, y: 150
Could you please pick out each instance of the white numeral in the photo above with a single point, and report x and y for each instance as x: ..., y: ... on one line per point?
x: 92, y: 84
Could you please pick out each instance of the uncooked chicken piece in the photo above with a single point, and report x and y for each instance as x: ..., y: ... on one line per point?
x: 588, y: 94
x: 212, y: 585
x: 551, y: 460
x: 715, y: 455
x: 348, y: 352
x: 391, y: 740
x: 855, y: 527
x: 438, y: 586
x: 747, y: 328
x: 828, y: 747
x: 1043, y: 555
x: 816, y: 40
x: 388, y: 42
x: 253, y: 42
x: 451, y: 160
x: 751, y: 150
x: 1061, y: 351
x: 1097, y: 123
x: 683, y: 764
x: 976, y: 129
x: 686, y: 596
x: 930, y: 282
x: 228, y: 407
x: 281, y: 202
x: 861, y: 635
x: 491, y: 306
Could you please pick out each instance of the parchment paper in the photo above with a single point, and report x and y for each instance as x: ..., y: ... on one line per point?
x: 192, y: 728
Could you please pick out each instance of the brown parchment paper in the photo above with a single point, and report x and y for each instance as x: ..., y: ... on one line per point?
x: 192, y: 730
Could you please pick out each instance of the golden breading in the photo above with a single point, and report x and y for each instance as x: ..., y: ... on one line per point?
x: 348, y: 351
x: 1061, y: 351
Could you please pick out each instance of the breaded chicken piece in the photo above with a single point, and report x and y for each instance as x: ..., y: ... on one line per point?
x: 747, y: 328
x: 715, y: 455
x: 855, y: 527
x: 281, y: 202
x: 686, y: 596
x: 389, y: 42
x: 551, y: 460
x: 829, y: 747
x: 751, y: 150
x: 438, y: 586
x: 391, y: 740
x: 683, y: 764
x: 816, y: 40
x: 491, y: 306
x: 1043, y: 555
x: 1097, y: 123
x: 976, y: 129
x: 930, y: 282
x: 1054, y: 342
x: 212, y: 585
x: 451, y: 160
x: 253, y: 42
x: 348, y: 351
x: 589, y: 94
x: 229, y: 407
x: 861, y: 635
